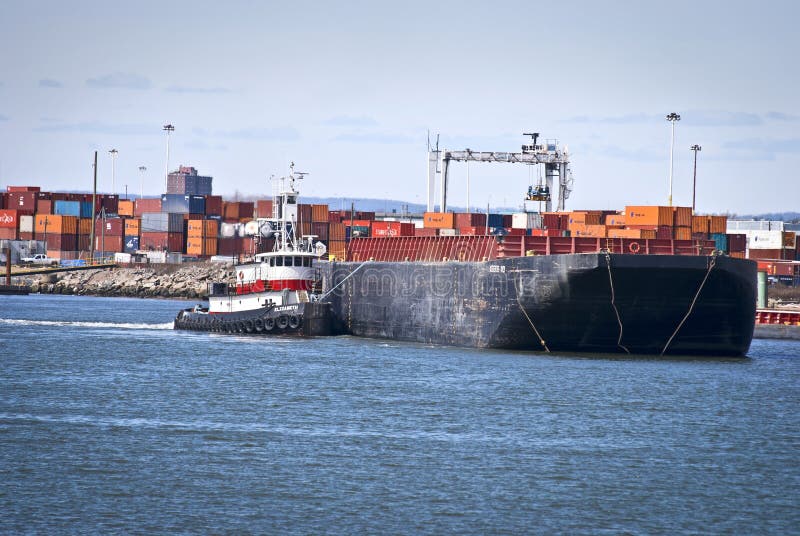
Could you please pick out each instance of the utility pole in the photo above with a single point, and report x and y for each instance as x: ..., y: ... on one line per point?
x: 168, y: 128
x: 94, y: 211
x: 672, y: 118
x: 694, y: 148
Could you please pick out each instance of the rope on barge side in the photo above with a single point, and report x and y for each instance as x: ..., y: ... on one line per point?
x: 613, y: 303
x: 536, y: 331
x: 694, y: 300
x: 343, y: 280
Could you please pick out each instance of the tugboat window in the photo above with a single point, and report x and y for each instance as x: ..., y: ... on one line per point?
x: 278, y: 261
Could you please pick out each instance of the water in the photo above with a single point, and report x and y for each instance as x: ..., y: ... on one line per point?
x: 111, y: 422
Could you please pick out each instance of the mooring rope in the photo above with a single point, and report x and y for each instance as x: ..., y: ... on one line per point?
x: 343, y: 280
x: 614, y: 304
x: 536, y: 331
x: 691, y: 306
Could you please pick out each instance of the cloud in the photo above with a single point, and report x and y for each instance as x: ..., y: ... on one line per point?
x: 252, y: 133
x: 378, y: 138
x: 761, y: 148
x: 721, y: 118
x: 780, y: 116
x: 119, y: 81
x: 198, y: 90
x: 350, y: 121
x: 629, y: 119
x: 49, y: 82
x: 97, y: 127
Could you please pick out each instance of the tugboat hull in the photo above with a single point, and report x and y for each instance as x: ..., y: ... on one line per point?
x: 302, y: 319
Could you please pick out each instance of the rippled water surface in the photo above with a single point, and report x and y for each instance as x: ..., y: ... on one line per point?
x: 110, y: 421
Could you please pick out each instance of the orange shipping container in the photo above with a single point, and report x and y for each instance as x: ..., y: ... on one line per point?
x: 337, y: 249
x: 682, y: 233
x: 717, y: 224
x: 700, y: 224
x: 649, y: 215
x: 439, y: 220
x: 336, y: 231
x: 682, y: 216
x: 201, y: 246
x: 586, y: 217
x: 594, y: 231
x: 125, y: 208
x: 133, y: 226
x: 202, y: 228
x: 615, y: 219
x: 49, y: 223
x: 319, y: 213
x: 624, y: 233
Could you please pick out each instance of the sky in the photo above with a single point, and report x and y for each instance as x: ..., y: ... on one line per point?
x: 351, y: 91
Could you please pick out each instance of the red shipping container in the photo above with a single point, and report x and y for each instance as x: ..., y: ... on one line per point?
x: 175, y: 242
x: 264, y: 208
x: 109, y: 202
x: 551, y: 220
x: 470, y: 220
x: 517, y: 232
x: 24, y: 189
x: 392, y: 228
x: 664, y: 232
x: 146, y: 205
x: 65, y: 242
x: 3, y: 198
x: 111, y: 227
x: 109, y: 244
x: 229, y: 247
x: 24, y: 202
x: 304, y: 213
x: 44, y: 206
x: 425, y: 231
x: 213, y: 205
x: 154, y: 241
x: 7, y: 233
x: 9, y: 219
x: 27, y: 236
x: 320, y: 229
x: 83, y: 242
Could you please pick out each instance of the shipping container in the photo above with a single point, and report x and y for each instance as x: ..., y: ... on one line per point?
x: 472, y: 219
x: 700, y: 224
x: 648, y: 215
x: 50, y: 223
x: 108, y: 243
x: 109, y: 227
x: 202, y: 228
x: 551, y: 220
x: 18, y: 189
x: 586, y: 217
x: 26, y: 223
x: 593, y: 230
x: 682, y: 216
x: 392, y: 228
x: 24, y: 202
x: 140, y: 206
x: 201, y: 247
x: 336, y: 231
x: 67, y: 208
x: 337, y: 250
x: 439, y: 220
x: 319, y: 213
x: 133, y: 226
x: 737, y: 242
x: 764, y: 239
x: 624, y: 233
x: 425, y: 231
x: 615, y: 219
x: 83, y: 242
x: 789, y: 239
x: 125, y: 208
x: 777, y: 254
x: 214, y: 205
x: 131, y: 243
x: 682, y: 233
x: 527, y: 220
x: 9, y: 219
x: 264, y: 208
x: 8, y: 233
x: 3, y: 200
x: 44, y: 206
x: 471, y: 231
x: 717, y: 224
x: 320, y: 229
x: 161, y: 222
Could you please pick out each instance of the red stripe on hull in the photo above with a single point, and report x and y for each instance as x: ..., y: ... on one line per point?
x: 274, y: 284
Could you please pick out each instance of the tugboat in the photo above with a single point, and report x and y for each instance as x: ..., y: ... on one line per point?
x: 278, y: 292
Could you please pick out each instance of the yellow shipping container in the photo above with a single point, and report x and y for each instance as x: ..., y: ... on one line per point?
x: 648, y: 215
x: 439, y: 220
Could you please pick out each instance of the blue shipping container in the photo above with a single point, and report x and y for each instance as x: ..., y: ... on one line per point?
x: 495, y: 220
x: 67, y: 208
x: 86, y: 209
x: 131, y: 244
x: 720, y: 241
x: 183, y: 204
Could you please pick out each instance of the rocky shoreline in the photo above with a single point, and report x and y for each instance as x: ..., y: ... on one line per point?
x: 187, y: 281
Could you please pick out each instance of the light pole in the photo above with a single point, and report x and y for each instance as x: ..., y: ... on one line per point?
x: 142, y: 169
x: 168, y: 129
x: 672, y: 118
x: 113, y: 153
x: 694, y: 148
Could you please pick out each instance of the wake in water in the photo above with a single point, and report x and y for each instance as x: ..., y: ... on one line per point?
x: 111, y: 325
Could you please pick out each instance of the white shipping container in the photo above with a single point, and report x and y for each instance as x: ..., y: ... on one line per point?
x: 526, y: 220
x: 764, y: 239
x: 26, y: 224
x: 447, y: 232
x: 740, y: 226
